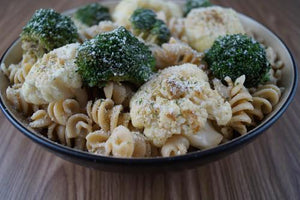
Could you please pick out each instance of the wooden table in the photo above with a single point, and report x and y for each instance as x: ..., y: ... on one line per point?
x: 268, y: 168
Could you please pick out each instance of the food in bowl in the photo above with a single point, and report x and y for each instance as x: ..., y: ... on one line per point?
x: 145, y: 81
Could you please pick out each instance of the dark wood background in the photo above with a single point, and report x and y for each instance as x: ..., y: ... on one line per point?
x: 268, y: 168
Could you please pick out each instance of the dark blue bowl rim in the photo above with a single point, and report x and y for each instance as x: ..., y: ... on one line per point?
x: 229, y: 146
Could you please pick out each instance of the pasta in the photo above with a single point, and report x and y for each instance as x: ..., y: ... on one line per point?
x: 121, y: 142
x: 57, y: 133
x: 107, y: 115
x: 264, y: 99
x: 95, y: 95
x: 241, y: 103
x: 175, y: 53
x: 78, y: 125
x: 96, y: 142
x: 16, y: 98
x: 60, y: 111
x: 119, y: 93
x: 175, y: 145
x: 17, y: 72
x: 40, y: 119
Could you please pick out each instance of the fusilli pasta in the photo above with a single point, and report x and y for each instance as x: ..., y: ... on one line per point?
x: 119, y: 93
x: 16, y: 98
x: 175, y: 53
x: 40, y: 119
x: 78, y: 126
x: 121, y: 142
x: 17, y: 73
x: 57, y: 133
x: 264, y: 99
x: 60, y: 111
x: 241, y: 103
x: 96, y: 142
x: 107, y: 115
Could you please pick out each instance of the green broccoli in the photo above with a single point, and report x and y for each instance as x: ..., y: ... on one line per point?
x: 236, y: 55
x: 146, y: 25
x: 92, y: 14
x: 47, y: 30
x: 114, y: 56
x: 191, y: 4
x: 143, y: 19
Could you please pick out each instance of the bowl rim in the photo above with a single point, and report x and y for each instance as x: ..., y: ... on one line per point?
x: 229, y: 146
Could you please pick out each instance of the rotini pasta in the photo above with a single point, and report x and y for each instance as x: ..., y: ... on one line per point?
x: 121, y: 142
x: 107, y: 115
x: 175, y: 53
x: 16, y: 98
x: 18, y: 72
x: 241, y: 103
x: 175, y: 145
x: 40, y: 119
x: 60, y: 111
x: 119, y: 93
x: 78, y: 126
x: 264, y: 99
x: 96, y: 142
x: 57, y: 133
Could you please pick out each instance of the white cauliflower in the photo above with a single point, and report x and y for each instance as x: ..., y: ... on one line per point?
x: 178, y: 100
x: 54, y: 77
x: 204, y: 25
x: 125, y: 8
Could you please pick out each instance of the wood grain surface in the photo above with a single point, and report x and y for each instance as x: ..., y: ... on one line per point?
x: 268, y: 168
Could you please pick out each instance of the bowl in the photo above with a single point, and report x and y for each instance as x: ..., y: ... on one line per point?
x: 191, y: 160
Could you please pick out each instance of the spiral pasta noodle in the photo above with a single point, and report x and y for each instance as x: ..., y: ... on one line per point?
x: 17, y: 73
x: 96, y: 142
x: 60, y: 111
x: 78, y: 125
x: 40, y: 119
x: 107, y: 115
x: 241, y: 104
x: 15, y: 97
x: 57, y: 133
x: 119, y: 93
x: 175, y: 53
x: 264, y: 99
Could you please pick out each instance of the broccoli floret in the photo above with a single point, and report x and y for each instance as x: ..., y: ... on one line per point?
x: 191, y: 4
x: 114, y: 56
x: 47, y: 30
x: 92, y: 14
x: 143, y: 19
x: 236, y: 55
x: 160, y: 32
x: 146, y: 25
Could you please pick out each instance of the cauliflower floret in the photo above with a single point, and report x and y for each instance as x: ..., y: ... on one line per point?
x: 54, y: 77
x: 125, y: 8
x: 178, y: 100
x: 204, y: 25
